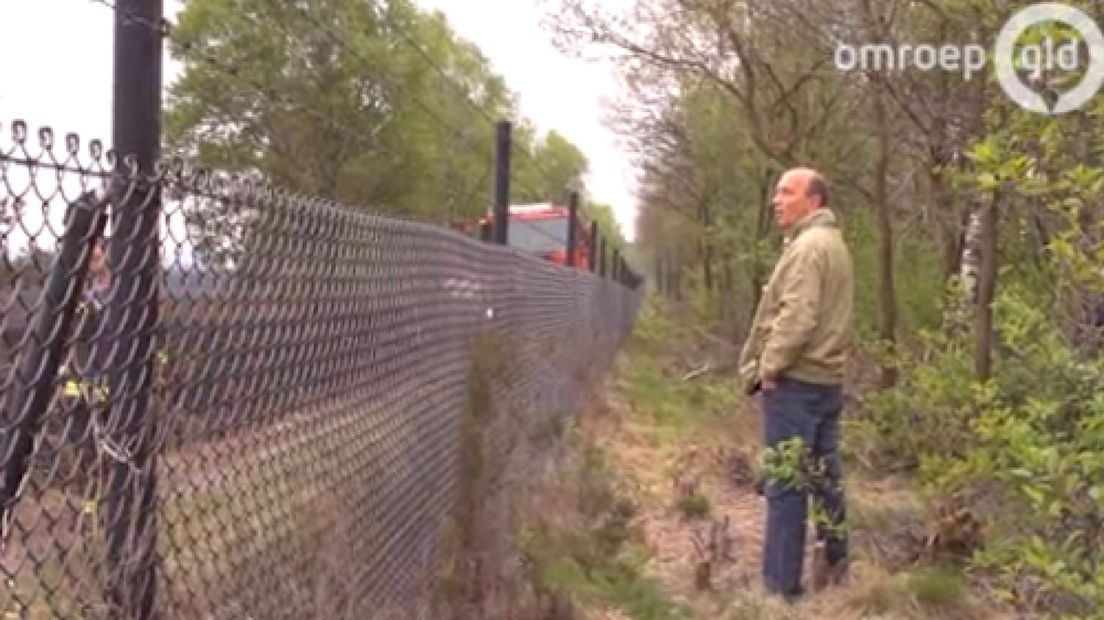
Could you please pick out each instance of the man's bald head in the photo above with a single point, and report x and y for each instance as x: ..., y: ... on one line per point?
x: 813, y: 182
x: 800, y: 191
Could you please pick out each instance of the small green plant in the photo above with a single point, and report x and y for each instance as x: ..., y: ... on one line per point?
x: 694, y: 506
x: 791, y: 464
x: 937, y: 586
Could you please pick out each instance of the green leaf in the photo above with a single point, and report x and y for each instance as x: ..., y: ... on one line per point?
x: 987, y: 181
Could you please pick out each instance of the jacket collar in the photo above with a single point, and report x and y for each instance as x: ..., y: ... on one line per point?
x: 820, y: 217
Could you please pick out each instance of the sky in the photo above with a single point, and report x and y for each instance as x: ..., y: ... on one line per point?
x: 554, y: 90
x: 57, y: 67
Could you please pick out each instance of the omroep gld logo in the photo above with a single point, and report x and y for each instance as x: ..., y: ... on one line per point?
x: 1033, y: 58
x: 1049, y: 56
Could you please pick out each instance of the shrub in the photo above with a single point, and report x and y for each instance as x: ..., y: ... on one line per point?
x: 1020, y: 454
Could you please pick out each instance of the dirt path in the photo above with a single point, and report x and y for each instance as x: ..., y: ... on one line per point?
x: 705, y: 553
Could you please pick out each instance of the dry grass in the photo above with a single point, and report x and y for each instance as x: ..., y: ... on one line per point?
x: 669, y: 441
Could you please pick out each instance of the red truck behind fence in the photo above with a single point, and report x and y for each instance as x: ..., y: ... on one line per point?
x: 541, y: 229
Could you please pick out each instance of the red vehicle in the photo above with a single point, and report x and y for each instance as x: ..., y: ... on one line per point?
x: 541, y: 229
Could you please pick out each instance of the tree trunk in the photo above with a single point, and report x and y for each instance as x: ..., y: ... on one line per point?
x: 951, y: 223
x: 660, y: 276
x: 707, y: 265
x: 676, y: 275
x: 986, y: 290
x: 730, y: 311
x: 887, y: 295
x: 762, y: 228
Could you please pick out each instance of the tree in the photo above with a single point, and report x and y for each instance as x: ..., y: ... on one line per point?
x: 554, y: 169
x: 367, y: 104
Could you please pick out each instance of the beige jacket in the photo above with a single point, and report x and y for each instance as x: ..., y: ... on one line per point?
x: 802, y: 328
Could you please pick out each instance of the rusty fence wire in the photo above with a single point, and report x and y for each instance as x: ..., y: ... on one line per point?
x: 220, y: 400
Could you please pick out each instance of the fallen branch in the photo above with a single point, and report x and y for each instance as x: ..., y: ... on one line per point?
x: 709, y: 369
x: 694, y: 374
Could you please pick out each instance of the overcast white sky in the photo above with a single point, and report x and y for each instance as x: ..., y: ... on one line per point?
x: 555, y: 91
x: 57, y: 58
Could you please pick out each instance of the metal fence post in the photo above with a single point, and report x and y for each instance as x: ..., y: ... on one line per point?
x: 602, y: 243
x: 502, y: 183
x: 33, y: 383
x: 572, y: 222
x: 131, y: 313
x: 592, y: 250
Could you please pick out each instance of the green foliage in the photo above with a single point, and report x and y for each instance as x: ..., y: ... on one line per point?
x: 349, y: 101
x: 607, y: 224
x: 1024, y: 447
x: 655, y: 328
x: 788, y: 463
x: 695, y: 506
x: 1033, y: 463
x: 1021, y: 451
x: 791, y: 463
x: 620, y: 584
x: 937, y: 586
x: 655, y: 384
x: 598, y: 556
x: 926, y: 414
x: 549, y: 172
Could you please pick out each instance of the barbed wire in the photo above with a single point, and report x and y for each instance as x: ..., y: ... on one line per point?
x: 402, y: 32
x: 162, y: 28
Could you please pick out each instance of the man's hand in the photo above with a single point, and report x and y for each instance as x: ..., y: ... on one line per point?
x: 768, y: 382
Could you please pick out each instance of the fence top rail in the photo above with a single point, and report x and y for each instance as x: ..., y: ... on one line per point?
x: 35, y: 167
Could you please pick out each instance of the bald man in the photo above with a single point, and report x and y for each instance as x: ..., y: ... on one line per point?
x: 794, y: 357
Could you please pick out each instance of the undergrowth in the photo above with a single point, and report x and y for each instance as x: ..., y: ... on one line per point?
x: 590, y: 549
x: 1011, y: 467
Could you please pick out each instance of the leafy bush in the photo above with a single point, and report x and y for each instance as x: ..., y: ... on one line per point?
x: 927, y: 413
x: 1024, y: 450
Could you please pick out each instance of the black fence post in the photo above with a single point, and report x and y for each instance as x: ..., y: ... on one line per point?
x: 602, y: 243
x: 502, y: 183
x: 572, y: 222
x: 592, y: 250
x: 615, y: 265
x: 134, y: 258
x: 33, y: 383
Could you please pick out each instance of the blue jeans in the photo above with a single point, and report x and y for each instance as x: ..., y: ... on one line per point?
x: 812, y: 412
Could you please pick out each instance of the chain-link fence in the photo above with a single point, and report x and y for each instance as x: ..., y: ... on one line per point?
x: 224, y: 401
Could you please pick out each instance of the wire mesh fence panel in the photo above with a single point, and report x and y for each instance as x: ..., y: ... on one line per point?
x: 224, y: 401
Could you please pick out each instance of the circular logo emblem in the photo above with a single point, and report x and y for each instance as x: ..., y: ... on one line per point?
x: 1004, y: 57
